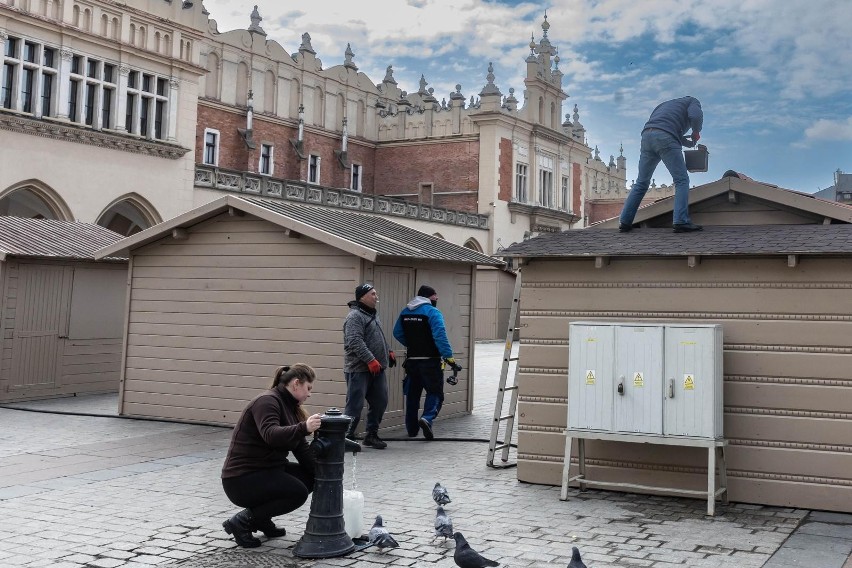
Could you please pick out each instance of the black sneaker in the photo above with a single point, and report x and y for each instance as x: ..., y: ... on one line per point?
x: 624, y: 228
x: 427, y: 429
x: 686, y: 227
x: 372, y: 440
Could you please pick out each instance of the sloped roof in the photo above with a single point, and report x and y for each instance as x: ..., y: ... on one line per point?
x: 366, y: 236
x: 47, y: 238
x: 749, y: 240
x: 805, y: 202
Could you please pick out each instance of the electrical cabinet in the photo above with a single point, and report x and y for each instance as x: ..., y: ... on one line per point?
x: 656, y: 379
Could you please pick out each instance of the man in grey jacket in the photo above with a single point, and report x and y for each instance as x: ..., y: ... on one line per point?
x: 366, y: 356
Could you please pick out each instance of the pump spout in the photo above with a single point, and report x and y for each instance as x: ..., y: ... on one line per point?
x: 351, y: 446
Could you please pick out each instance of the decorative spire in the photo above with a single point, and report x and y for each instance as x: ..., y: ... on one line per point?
x: 567, y: 120
x: 306, y: 43
x: 457, y: 95
x: 348, y: 55
x: 545, y: 25
x: 490, y: 88
x: 511, y: 101
x: 597, y: 154
x: 255, y: 22
x: 576, y: 113
x: 423, y: 84
x: 621, y: 149
x: 531, y: 57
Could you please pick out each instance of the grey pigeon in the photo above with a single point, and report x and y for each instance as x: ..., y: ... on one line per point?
x: 379, y: 535
x: 575, y: 559
x: 443, y: 524
x: 440, y: 495
x: 466, y: 557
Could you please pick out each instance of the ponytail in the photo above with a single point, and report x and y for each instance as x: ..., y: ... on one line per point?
x: 300, y: 372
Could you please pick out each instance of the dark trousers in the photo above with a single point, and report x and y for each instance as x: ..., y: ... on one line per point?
x: 420, y: 375
x: 270, y: 492
x: 362, y: 386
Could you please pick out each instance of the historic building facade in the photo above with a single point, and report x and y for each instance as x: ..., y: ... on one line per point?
x: 98, y: 109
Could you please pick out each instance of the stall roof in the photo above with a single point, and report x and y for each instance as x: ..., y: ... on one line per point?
x: 367, y: 236
x: 48, y: 238
x: 755, y: 240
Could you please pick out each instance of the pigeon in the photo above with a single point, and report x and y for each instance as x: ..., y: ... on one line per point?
x: 466, y: 557
x: 443, y: 524
x: 575, y: 559
x: 440, y: 495
x: 379, y: 535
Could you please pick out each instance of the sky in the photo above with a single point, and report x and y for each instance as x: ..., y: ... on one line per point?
x: 774, y: 76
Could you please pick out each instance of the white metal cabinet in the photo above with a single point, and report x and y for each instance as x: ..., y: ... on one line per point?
x: 590, y: 377
x: 638, y: 379
x: 693, y: 393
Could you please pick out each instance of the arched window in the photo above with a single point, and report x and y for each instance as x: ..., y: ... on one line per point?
x: 105, y: 25
x: 34, y: 200
x: 75, y: 16
x: 318, y: 107
x: 143, y: 38
x: 157, y: 42
x: 541, y: 110
x: 439, y: 235
x: 211, y: 80
x: 242, y: 83
x: 269, y: 90
x: 472, y: 244
x: 116, y: 29
x: 128, y: 215
x: 167, y: 45
x: 132, y: 37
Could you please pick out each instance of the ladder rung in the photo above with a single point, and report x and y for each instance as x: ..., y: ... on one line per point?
x: 511, y: 388
x: 512, y: 359
x: 505, y: 417
x: 500, y: 447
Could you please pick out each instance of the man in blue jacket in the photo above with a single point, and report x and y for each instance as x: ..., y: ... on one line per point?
x: 662, y: 139
x: 420, y: 328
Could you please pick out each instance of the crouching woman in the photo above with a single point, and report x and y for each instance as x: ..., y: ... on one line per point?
x: 257, y: 474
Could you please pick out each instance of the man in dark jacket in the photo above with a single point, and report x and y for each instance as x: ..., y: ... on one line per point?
x: 366, y: 356
x: 420, y: 327
x: 662, y: 139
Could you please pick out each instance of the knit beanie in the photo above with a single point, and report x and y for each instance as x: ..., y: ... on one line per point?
x: 362, y: 289
x: 426, y: 291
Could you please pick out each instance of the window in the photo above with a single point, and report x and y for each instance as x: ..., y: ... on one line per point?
x: 211, y: 147
x: 566, y: 194
x: 73, y: 95
x: 27, y: 77
x: 11, y: 47
x: 521, y: 183
x: 314, y: 169
x: 265, y: 166
x: 8, y: 81
x: 148, y: 114
x: 356, y: 177
x: 545, y: 181
x: 47, y: 95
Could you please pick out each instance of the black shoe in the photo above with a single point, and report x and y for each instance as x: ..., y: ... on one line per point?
x: 352, y: 438
x: 372, y: 440
x: 268, y: 528
x: 624, y: 228
x: 686, y: 227
x: 427, y: 429
x: 241, y: 526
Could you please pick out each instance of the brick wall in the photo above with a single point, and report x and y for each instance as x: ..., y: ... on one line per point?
x: 505, y: 170
x: 447, y: 166
x: 599, y: 211
x: 577, y: 189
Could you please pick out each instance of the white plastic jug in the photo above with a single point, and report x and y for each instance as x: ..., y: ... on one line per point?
x: 353, y: 513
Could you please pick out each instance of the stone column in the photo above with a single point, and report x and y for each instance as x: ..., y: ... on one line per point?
x: 174, y: 100
x: 64, y: 87
x: 121, y: 95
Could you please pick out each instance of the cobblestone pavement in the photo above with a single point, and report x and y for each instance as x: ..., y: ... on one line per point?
x: 104, y: 492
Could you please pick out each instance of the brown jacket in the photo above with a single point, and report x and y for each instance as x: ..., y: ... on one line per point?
x: 266, y: 432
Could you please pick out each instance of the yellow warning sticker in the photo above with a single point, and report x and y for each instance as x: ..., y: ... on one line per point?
x: 591, y: 339
x: 590, y: 377
x: 638, y: 379
x: 688, y: 382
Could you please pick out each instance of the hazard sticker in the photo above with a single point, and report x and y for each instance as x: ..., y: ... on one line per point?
x: 590, y: 377
x: 688, y: 382
x: 638, y: 379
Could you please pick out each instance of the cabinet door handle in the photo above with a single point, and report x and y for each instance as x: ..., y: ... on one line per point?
x: 621, y: 385
x: 671, y: 388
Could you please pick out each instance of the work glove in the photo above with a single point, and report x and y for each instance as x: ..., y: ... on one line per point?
x: 453, y: 365
x: 391, y: 359
x: 375, y: 367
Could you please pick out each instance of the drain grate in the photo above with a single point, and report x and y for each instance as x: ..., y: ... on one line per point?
x: 239, y: 559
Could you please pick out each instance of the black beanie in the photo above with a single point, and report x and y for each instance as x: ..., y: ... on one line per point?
x: 426, y: 291
x: 362, y: 289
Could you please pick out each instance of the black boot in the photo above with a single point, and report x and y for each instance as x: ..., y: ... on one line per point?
x: 241, y: 525
x: 268, y: 528
x: 372, y: 440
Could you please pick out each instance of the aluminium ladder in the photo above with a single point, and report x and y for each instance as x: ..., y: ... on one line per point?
x: 495, y: 445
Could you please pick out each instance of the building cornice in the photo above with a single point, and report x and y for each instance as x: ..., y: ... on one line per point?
x: 81, y: 135
x: 543, y: 219
x: 235, y: 181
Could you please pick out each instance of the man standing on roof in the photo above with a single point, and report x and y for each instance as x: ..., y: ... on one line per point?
x: 366, y: 356
x: 662, y: 139
x: 420, y: 328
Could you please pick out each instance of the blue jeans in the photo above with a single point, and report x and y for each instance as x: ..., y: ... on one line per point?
x: 659, y: 146
x: 420, y: 375
x: 362, y: 386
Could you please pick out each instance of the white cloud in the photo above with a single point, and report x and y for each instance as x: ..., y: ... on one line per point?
x: 829, y: 131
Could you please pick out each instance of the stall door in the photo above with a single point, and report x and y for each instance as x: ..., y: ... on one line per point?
x: 39, y: 316
x: 394, y: 286
x: 638, y: 379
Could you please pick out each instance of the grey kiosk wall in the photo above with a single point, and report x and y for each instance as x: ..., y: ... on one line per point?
x: 646, y: 383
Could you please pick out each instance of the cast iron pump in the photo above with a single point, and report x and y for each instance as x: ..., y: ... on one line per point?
x: 325, y: 536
